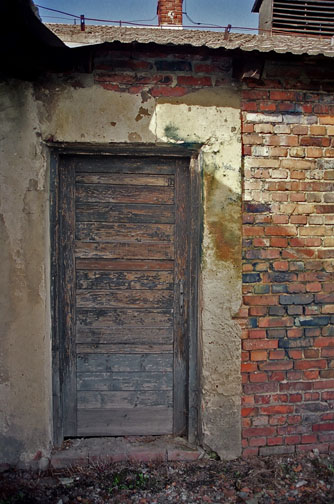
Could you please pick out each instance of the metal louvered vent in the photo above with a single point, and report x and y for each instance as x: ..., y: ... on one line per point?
x: 308, y: 17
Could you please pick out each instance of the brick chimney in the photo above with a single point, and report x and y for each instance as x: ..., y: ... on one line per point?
x: 170, y: 13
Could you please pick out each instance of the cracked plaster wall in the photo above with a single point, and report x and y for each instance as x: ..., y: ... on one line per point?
x: 25, y: 367
x: 93, y: 114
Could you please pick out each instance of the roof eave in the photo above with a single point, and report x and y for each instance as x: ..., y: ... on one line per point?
x: 257, y: 5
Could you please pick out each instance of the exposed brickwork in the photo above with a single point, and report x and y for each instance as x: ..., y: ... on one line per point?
x: 160, y: 73
x: 288, y: 281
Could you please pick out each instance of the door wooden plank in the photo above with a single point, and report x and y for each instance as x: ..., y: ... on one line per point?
x: 126, y: 336
x: 113, y: 212
x: 124, y: 232
x: 124, y: 317
x: 85, y: 250
x: 181, y: 300
x: 125, y: 399
x: 124, y: 299
x: 103, y: 363
x: 124, y: 194
x: 125, y: 179
x: 124, y: 265
x: 124, y: 422
x: 119, y: 348
x: 124, y: 280
x: 124, y: 164
x: 125, y: 381
x: 67, y: 293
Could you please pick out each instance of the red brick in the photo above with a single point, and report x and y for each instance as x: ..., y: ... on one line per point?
x: 311, y: 364
x: 276, y: 410
x: 292, y: 440
x: 280, y: 365
x: 256, y: 344
x: 247, y: 412
x: 258, y: 377
x: 309, y: 438
x: 168, y: 91
x: 258, y: 355
x: 188, y: 80
x: 274, y: 441
x: 259, y: 431
x: 266, y: 300
x: 323, y: 427
x: 250, y: 452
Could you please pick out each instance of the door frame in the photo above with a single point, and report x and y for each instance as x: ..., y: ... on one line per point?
x: 57, y: 150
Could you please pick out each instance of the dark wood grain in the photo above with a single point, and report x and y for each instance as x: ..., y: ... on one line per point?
x: 124, y: 232
x: 124, y: 280
x: 124, y: 299
x: 123, y: 422
x: 117, y: 250
x: 126, y: 336
x: 114, y: 212
x: 125, y: 179
x: 67, y: 303
x: 124, y: 265
x: 103, y: 193
x: 125, y: 381
x: 116, y: 363
x: 124, y: 164
x: 181, y: 299
x: 123, y: 317
x: 124, y: 399
x: 124, y: 348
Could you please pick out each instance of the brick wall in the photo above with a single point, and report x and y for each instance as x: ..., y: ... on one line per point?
x: 288, y: 276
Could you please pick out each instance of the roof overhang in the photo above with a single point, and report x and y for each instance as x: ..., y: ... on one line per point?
x: 257, y: 5
x: 27, y: 46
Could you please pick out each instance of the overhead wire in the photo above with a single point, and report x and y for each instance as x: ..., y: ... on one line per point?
x: 140, y: 22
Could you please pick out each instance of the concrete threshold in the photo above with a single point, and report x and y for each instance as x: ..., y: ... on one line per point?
x: 85, y: 451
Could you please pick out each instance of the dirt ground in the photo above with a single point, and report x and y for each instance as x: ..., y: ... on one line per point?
x: 307, y: 478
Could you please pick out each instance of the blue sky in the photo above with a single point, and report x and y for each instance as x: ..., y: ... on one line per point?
x: 219, y: 12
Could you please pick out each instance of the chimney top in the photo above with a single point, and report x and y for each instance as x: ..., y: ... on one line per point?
x: 170, y: 13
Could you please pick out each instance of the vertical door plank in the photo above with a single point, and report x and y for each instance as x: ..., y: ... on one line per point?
x: 67, y: 293
x: 181, y: 298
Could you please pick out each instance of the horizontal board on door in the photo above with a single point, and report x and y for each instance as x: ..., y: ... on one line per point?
x: 125, y: 422
x: 124, y: 399
x: 146, y: 250
x: 113, y: 212
x: 125, y: 179
x: 124, y: 280
x: 117, y: 363
x: 124, y: 164
x: 124, y: 265
x: 124, y: 299
x: 124, y: 194
x: 123, y: 317
x: 126, y: 336
x: 123, y: 232
x: 118, y: 348
x: 125, y: 381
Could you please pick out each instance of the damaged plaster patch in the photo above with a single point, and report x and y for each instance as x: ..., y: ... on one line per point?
x: 96, y: 112
x: 142, y: 112
x: 217, y: 128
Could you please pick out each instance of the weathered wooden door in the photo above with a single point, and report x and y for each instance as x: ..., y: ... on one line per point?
x: 123, y: 290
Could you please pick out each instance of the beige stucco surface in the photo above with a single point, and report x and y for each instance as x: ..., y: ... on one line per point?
x: 92, y: 114
x: 25, y: 365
